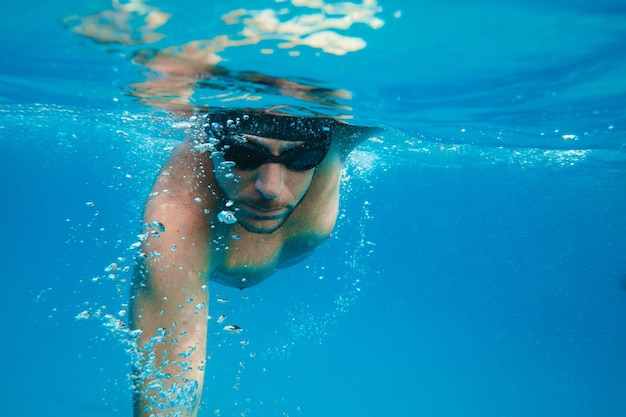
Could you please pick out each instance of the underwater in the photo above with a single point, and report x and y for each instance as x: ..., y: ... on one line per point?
x: 477, y: 265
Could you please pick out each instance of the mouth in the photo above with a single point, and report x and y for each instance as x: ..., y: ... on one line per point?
x: 262, y: 213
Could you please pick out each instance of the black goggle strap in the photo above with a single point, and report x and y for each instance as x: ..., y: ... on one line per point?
x: 313, y: 130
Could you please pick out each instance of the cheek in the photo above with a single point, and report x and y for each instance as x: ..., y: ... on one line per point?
x: 228, y: 180
x: 300, y: 182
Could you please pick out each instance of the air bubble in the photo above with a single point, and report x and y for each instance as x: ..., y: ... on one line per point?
x: 159, y: 226
x: 83, y: 316
x: 202, y: 147
x: 227, y: 217
x: 156, y: 384
x: 233, y: 328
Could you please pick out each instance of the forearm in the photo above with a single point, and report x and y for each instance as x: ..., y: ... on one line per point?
x: 169, y: 368
x: 169, y: 308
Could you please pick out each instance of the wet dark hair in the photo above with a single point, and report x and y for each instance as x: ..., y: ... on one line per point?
x: 315, y: 131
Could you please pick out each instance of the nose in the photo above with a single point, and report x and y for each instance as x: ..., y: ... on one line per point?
x: 269, y: 180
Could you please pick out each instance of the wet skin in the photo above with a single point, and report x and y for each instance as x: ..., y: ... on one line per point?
x: 282, y: 216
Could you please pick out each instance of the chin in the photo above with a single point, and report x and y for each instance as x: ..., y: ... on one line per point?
x: 263, y: 227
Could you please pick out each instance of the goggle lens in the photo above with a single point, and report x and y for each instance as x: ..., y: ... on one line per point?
x: 249, y: 156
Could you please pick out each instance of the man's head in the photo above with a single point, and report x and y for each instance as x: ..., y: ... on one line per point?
x: 265, y: 163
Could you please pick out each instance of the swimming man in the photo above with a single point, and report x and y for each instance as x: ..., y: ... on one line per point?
x: 255, y: 194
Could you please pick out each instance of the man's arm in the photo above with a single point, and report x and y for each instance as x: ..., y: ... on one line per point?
x: 170, y: 292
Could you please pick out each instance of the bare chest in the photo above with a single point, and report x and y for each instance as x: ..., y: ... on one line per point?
x: 242, y: 262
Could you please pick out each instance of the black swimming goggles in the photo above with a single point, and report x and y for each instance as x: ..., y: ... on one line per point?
x: 250, y: 155
x: 228, y: 130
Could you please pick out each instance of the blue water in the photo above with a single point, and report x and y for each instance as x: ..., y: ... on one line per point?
x: 479, y: 263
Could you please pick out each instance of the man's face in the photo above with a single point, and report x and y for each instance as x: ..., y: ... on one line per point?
x: 263, y: 197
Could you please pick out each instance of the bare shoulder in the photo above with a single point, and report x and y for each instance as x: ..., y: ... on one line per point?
x: 180, y: 196
x: 185, y: 177
x: 317, y: 213
x: 314, y: 219
x: 186, y: 166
